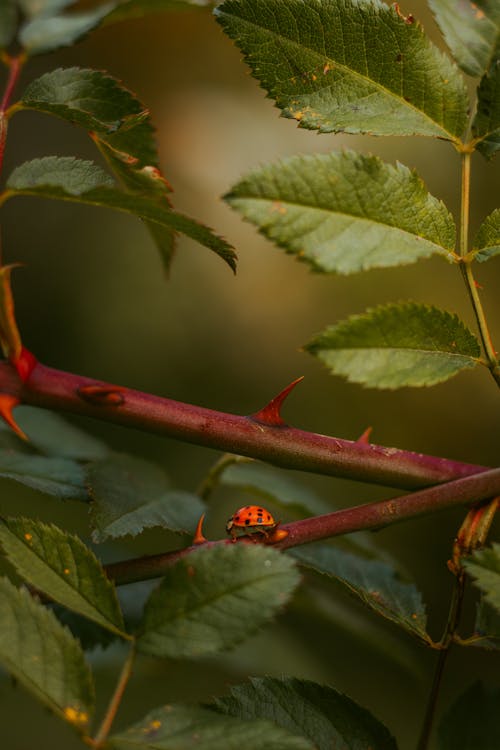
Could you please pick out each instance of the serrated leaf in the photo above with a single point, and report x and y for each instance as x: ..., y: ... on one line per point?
x: 70, y: 179
x: 397, y: 345
x: 345, y: 212
x: 62, y: 567
x: 275, y: 485
x: 177, y: 727
x: 487, y: 241
x: 473, y: 721
x: 8, y: 21
x: 471, y: 31
x: 61, y: 477
x: 486, y: 628
x: 131, y: 9
x: 130, y: 494
x: 44, y: 656
x: 46, y: 32
x: 375, y: 583
x: 328, y: 718
x: 351, y: 66
x: 484, y: 567
x: 214, y: 598
x: 53, y: 435
x: 486, y: 125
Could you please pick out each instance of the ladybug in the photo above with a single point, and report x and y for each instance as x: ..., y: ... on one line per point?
x: 251, y: 518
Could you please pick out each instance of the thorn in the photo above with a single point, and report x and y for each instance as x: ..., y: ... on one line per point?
x: 270, y: 414
x: 102, y: 395
x: 198, y: 534
x: 277, y: 536
x: 24, y: 363
x: 364, y: 438
x: 7, y: 403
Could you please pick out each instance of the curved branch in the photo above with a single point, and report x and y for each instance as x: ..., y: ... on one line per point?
x: 276, y: 444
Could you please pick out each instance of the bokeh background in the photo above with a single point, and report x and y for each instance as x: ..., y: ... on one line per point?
x: 92, y: 298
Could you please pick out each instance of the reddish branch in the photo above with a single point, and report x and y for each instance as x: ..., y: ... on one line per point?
x: 258, y: 436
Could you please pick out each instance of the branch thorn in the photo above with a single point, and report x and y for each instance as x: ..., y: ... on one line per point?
x: 364, y: 438
x: 101, y: 395
x: 198, y: 534
x: 270, y: 414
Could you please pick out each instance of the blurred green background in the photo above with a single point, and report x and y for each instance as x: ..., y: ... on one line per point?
x: 93, y: 299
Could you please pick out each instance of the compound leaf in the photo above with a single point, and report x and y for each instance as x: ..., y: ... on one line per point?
x: 214, y: 598
x: 375, y: 583
x: 62, y: 567
x: 42, y: 654
x: 353, y: 66
x: 396, y: 345
x: 326, y: 717
x: 69, y: 179
x: 177, y: 727
x: 345, y: 212
x: 471, y: 31
x: 487, y: 240
x: 130, y: 494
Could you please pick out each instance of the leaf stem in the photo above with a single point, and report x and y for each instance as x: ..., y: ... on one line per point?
x: 115, y: 701
x: 15, y: 65
x: 211, y: 479
x: 467, y: 273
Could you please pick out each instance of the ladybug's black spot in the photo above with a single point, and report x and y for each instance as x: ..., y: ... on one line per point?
x: 260, y: 511
x: 247, y: 522
x: 260, y: 520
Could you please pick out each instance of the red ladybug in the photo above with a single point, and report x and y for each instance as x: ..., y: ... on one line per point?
x: 251, y: 518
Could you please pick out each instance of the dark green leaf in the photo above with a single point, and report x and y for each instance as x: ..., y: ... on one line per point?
x: 328, y: 718
x: 486, y: 125
x: 487, y: 240
x: 375, y: 583
x: 186, y: 727
x: 44, y: 656
x: 471, y: 30
x: 49, y: 433
x: 130, y: 494
x: 130, y: 9
x: 8, y: 21
x: 63, y: 568
x: 46, y: 32
x: 272, y: 484
x: 66, y: 178
x: 486, y: 628
x: 473, y: 721
x: 345, y: 212
x: 214, y: 598
x: 351, y: 66
x: 484, y: 567
x: 90, y: 635
x: 60, y: 477
x: 397, y: 345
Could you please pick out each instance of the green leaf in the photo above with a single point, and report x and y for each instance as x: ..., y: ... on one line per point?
x: 44, y: 656
x: 62, y: 567
x: 272, y: 484
x: 396, y: 345
x: 473, y: 721
x: 486, y: 628
x: 375, y: 583
x: 214, y: 598
x: 486, y: 125
x: 350, y: 66
x: 8, y: 21
x: 484, y: 567
x: 345, y: 212
x: 131, y: 9
x: 328, y: 718
x: 46, y: 32
x: 176, y: 727
x: 70, y: 179
x: 130, y: 494
x: 487, y: 240
x: 49, y: 433
x: 61, y: 477
x: 471, y: 30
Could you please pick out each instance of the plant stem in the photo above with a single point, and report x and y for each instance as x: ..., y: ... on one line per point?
x: 446, y: 642
x: 467, y: 274
x: 211, y: 479
x: 362, y: 517
x: 280, y: 445
x: 15, y: 65
x: 115, y: 701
